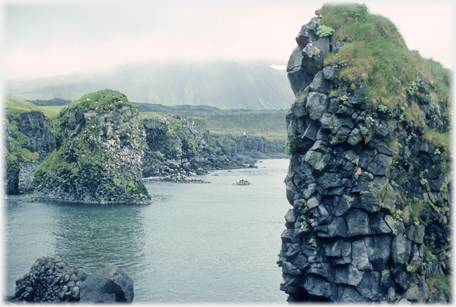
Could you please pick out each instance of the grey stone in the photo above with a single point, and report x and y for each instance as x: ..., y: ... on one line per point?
x: 299, y: 107
x: 308, y: 33
x: 418, y: 292
x: 314, y: 54
x: 292, y: 249
x: 329, y: 180
x: 391, y: 294
x: 378, y: 224
x: 300, y: 261
x: 334, y: 249
x: 317, y: 104
x: 309, y: 191
x: 357, y: 223
x: 363, y: 183
x: 311, y: 130
x: 345, y: 203
x: 108, y: 285
x: 387, y: 280
x: 319, y: 287
x: 333, y: 105
x: 416, y: 233
x: 402, y: 278
x: 400, y: 250
x: 384, y: 149
x: 295, y: 60
x: 287, y: 236
x: 380, y: 165
x: 319, y: 84
x: 365, y: 158
x: 290, y: 269
x: 349, y: 295
x: 368, y: 201
x: 321, y: 268
x: 299, y: 80
x: 348, y: 274
x: 331, y: 73
x: 312, y: 202
x: 341, y: 135
x: 369, y: 285
x: 379, y: 251
x: 395, y: 226
x: 337, y: 228
x: 360, y: 258
x: 355, y: 137
x: 291, y: 280
x: 290, y: 217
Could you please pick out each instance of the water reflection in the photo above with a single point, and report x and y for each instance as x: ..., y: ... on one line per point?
x: 91, y: 236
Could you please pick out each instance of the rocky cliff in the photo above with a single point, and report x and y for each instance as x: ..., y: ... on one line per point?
x: 29, y: 139
x: 98, y: 155
x: 368, y: 182
x: 181, y: 144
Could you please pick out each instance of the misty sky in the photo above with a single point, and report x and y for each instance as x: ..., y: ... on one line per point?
x: 46, y: 38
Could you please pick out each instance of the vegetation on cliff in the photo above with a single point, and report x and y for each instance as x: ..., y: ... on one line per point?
x: 14, y: 108
x: 98, y: 153
x: 375, y: 56
x: 369, y: 176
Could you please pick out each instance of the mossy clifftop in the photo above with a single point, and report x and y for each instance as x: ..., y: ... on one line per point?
x: 98, y: 156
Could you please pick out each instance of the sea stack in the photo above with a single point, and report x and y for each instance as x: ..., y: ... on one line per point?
x: 98, y: 155
x: 369, y: 175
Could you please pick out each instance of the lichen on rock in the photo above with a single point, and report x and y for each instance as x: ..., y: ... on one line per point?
x: 369, y: 185
x: 98, y: 155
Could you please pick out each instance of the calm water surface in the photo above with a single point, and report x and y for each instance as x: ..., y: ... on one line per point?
x: 197, y: 243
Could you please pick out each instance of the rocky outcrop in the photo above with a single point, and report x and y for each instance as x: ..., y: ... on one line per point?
x: 181, y: 144
x: 108, y: 285
x: 260, y: 147
x: 98, y: 155
x: 50, y: 280
x: 370, y: 198
x: 29, y: 139
x: 39, y: 133
x: 53, y: 280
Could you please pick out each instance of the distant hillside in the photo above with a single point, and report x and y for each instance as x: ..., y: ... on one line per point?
x: 266, y: 123
x: 223, y: 84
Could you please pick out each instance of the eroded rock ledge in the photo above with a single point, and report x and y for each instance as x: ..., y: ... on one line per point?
x: 370, y: 218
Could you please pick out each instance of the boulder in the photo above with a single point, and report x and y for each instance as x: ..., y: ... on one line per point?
x: 50, y: 280
x: 108, y: 285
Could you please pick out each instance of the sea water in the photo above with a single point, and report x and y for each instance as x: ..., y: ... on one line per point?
x: 196, y: 243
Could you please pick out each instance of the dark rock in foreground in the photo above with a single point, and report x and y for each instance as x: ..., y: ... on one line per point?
x: 109, y: 285
x: 53, y: 280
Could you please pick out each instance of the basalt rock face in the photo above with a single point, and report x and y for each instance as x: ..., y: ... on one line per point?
x: 50, y: 280
x: 181, y: 144
x: 53, y: 280
x: 29, y: 139
x: 370, y: 219
x: 39, y: 133
x: 98, y: 155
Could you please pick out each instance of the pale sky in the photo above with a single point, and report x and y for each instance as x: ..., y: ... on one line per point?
x: 56, y: 38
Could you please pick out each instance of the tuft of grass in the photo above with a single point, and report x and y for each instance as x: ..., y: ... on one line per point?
x: 375, y: 56
x: 51, y: 111
x: 438, y: 139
